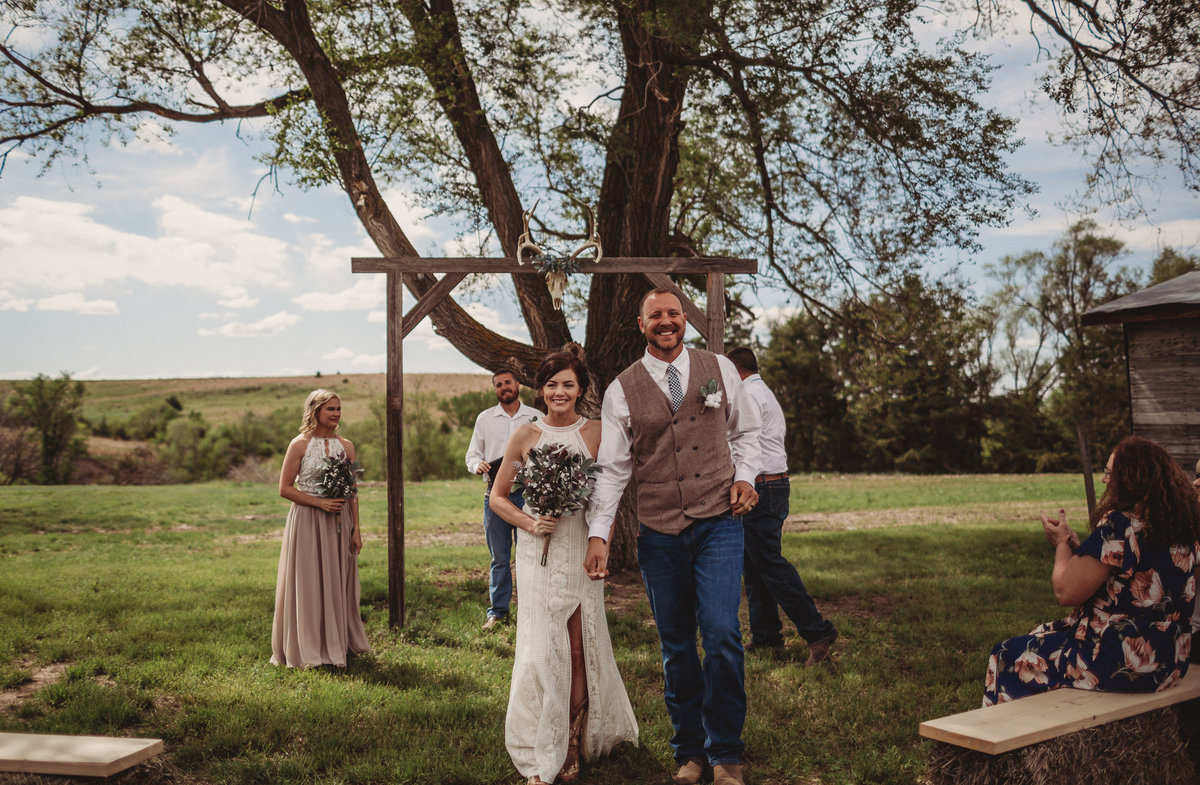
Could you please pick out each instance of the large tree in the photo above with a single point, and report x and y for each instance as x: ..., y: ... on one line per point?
x: 824, y: 139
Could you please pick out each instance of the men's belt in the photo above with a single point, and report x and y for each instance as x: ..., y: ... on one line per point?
x: 770, y: 477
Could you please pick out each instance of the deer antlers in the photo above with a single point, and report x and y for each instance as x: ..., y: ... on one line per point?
x: 557, y: 269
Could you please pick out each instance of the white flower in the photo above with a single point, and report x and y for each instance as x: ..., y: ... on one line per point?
x: 713, y: 400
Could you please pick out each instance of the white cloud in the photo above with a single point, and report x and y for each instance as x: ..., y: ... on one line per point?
x: 369, y: 291
x: 766, y: 318
x: 155, y: 138
x: 10, y: 302
x: 293, y: 218
x: 60, y: 244
x: 270, y: 325
x: 89, y: 373
x: 1183, y: 235
x: 358, y: 360
x: 329, y: 259
x: 237, y: 297
x: 414, y: 225
x: 76, y: 303
x: 374, y: 317
x: 217, y: 315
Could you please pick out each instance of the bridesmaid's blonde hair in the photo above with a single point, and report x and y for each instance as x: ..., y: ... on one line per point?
x: 316, y: 399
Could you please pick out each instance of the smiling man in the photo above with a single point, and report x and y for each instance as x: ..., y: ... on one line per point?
x: 679, y: 422
x: 492, y: 428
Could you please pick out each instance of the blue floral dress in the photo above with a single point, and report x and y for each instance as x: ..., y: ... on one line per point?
x: 1133, y: 635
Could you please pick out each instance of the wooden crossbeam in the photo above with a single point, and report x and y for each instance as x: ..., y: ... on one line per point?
x: 429, y: 301
x: 629, y: 265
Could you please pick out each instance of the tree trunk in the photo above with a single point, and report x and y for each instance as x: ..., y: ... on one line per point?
x: 292, y: 28
x: 634, y: 212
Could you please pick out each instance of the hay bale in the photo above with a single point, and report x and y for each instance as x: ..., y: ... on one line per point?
x: 1142, y: 750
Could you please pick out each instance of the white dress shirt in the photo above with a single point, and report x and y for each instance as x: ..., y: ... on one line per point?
x: 492, y: 428
x: 614, y: 461
x: 774, y: 456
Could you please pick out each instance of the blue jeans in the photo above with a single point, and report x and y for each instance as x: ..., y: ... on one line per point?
x: 500, y: 536
x: 693, y: 580
x: 771, y: 580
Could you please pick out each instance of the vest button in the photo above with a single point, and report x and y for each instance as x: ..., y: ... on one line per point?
x: 697, y: 474
x: 674, y: 422
x: 693, y: 418
x: 696, y: 448
x: 702, y: 504
x: 680, y: 479
x: 678, y: 449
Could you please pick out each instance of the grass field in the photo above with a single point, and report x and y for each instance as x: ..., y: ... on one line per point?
x: 222, y: 401
x: 147, y: 611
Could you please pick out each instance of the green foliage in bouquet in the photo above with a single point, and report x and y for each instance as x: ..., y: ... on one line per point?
x: 554, y: 480
x: 339, y: 478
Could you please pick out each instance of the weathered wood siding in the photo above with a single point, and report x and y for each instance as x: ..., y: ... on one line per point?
x: 1164, y: 385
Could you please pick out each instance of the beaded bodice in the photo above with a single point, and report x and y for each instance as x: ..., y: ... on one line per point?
x: 309, y: 477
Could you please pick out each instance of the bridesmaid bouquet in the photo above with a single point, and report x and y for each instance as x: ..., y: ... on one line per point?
x: 339, y: 480
x: 555, y: 481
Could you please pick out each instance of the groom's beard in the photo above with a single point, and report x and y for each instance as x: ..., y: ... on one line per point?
x: 665, y: 343
x: 506, y: 396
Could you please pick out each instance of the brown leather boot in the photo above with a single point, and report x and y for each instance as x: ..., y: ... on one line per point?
x: 690, y: 772
x: 728, y: 774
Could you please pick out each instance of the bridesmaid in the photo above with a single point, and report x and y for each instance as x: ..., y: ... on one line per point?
x: 317, y: 619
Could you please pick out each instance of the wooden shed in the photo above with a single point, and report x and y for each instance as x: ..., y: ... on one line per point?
x: 1162, y: 349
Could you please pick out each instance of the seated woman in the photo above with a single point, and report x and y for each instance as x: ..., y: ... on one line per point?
x: 1132, y: 580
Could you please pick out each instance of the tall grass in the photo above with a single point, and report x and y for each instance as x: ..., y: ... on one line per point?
x: 158, y: 602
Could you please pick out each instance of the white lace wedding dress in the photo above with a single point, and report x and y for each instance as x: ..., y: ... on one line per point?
x: 538, y: 720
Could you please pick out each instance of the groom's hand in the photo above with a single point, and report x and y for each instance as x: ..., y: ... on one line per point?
x: 742, y: 498
x: 595, y: 561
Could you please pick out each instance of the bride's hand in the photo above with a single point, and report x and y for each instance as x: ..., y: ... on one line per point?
x: 544, y: 526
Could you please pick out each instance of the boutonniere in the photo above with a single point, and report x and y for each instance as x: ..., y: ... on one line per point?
x: 710, y: 395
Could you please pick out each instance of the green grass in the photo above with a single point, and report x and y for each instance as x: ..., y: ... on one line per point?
x: 158, y: 602
x: 222, y: 401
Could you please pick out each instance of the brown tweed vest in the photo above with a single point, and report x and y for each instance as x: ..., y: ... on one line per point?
x: 681, y: 460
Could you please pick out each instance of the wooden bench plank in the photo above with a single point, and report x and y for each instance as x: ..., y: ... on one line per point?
x: 1012, y: 725
x: 87, y: 756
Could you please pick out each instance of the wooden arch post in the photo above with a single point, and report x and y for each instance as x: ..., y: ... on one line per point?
x: 710, y: 322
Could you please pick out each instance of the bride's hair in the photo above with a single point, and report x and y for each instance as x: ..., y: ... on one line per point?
x: 571, y: 358
x: 316, y: 399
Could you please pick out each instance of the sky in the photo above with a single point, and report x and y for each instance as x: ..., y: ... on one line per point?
x: 172, y: 258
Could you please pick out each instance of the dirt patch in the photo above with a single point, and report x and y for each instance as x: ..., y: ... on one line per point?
x: 43, y: 676
x: 921, y: 516
x: 624, y: 593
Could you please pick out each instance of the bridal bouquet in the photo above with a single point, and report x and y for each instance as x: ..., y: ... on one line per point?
x: 339, y: 480
x: 555, y: 481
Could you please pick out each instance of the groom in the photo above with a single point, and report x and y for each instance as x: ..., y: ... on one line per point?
x: 694, y: 456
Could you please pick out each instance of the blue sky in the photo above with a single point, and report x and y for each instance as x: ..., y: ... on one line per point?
x: 163, y: 263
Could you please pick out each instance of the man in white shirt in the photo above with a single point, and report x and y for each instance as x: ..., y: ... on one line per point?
x: 771, y: 580
x: 492, y: 428
x: 679, y: 423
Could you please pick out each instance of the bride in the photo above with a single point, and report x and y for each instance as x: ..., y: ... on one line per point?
x: 567, y: 699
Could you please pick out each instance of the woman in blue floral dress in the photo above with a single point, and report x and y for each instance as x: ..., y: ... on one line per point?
x: 1132, y: 580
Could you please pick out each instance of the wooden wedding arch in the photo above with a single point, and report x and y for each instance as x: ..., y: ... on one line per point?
x: 710, y: 322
